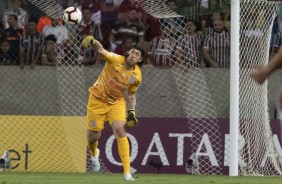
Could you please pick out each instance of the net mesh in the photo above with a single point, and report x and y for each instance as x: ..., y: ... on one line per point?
x: 198, y: 99
x: 43, y: 109
x: 258, y: 155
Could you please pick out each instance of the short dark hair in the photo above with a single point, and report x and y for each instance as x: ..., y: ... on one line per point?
x: 194, y: 22
x: 141, y: 51
x: 85, y: 8
x: 51, y: 37
x: 14, y: 15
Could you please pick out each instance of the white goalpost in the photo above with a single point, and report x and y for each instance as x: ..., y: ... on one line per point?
x: 234, y: 88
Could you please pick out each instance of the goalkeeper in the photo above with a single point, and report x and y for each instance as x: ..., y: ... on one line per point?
x: 120, y: 77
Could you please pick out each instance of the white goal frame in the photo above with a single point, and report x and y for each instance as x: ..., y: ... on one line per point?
x: 234, y: 88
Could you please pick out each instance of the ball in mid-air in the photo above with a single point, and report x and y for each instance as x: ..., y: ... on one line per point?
x: 72, y: 15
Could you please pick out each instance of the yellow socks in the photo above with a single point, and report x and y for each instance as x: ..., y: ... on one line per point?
x: 123, y: 150
x: 92, y: 147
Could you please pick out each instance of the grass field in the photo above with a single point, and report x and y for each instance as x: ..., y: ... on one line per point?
x: 75, y: 178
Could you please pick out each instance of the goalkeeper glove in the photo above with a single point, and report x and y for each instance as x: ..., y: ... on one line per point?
x: 131, y: 119
x: 88, y: 42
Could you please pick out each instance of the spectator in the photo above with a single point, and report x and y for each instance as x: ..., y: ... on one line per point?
x: 43, y: 21
x: 216, y: 47
x: 177, y: 23
x: 95, y: 9
x: 133, y: 9
x: 130, y: 7
x: 207, y: 21
x: 57, y: 29
x: 88, y: 26
x: 189, y: 8
x: 49, y: 55
x: 145, y: 45
x: 33, y: 10
x: 126, y: 45
x: 22, y: 15
x: 206, y: 26
x: 108, y: 16
x: 126, y: 28
x: 190, y: 49
x: 251, y: 34
x: 70, y: 52
x: 154, y: 27
x: 13, y: 34
x: 5, y: 53
x: 161, y: 48
x: 31, y: 44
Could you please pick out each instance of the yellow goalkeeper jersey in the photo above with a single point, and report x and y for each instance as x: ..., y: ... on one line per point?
x: 115, y: 80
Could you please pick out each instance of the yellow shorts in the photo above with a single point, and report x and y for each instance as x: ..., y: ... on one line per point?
x: 99, y: 111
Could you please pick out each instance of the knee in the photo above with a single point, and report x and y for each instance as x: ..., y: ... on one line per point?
x: 92, y: 136
x: 119, y: 132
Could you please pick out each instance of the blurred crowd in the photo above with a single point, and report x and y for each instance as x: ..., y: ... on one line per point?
x: 31, y: 37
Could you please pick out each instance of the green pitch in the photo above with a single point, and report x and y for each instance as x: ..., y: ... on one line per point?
x: 75, y: 178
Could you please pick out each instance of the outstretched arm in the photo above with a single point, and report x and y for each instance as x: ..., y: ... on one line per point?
x: 90, y: 41
x: 260, y: 74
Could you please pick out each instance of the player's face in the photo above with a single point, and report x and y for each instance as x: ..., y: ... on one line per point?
x: 134, y: 56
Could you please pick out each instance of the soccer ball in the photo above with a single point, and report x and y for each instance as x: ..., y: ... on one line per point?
x: 72, y: 16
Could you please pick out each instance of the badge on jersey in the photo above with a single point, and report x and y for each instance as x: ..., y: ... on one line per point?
x: 92, y: 123
x: 131, y: 80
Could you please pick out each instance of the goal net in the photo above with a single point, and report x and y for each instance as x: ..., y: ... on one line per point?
x: 257, y: 153
x: 43, y: 109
